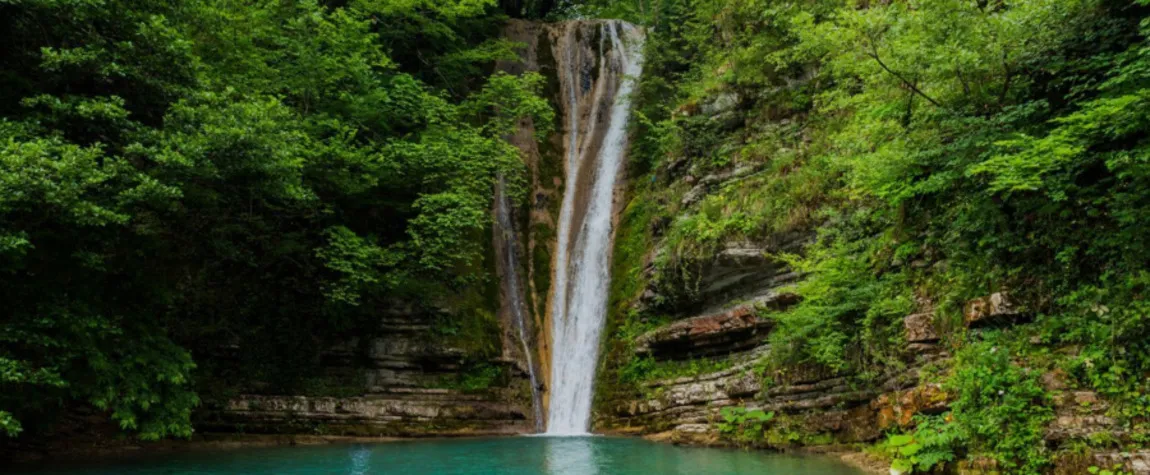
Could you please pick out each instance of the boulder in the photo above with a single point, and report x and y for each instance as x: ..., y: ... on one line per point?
x: 920, y: 328
x: 899, y: 408
x: 1137, y: 462
x: 994, y: 309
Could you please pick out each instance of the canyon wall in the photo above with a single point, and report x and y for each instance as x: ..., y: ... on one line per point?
x: 703, y: 346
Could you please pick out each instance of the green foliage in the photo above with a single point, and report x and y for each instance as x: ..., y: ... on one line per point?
x: 358, y: 261
x: 1000, y: 410
x: 481, y: 377
x: 853, y: 304
x: 10, y: 425
x: 201, y: 177
x: 933, y: 444
x: 1108, y: 320
x: 1116, y: 470
x: 475, y: 377
x: 1001, y: 406
x: 642, y: 369
x: 742, y: 425
x: 937, y: 152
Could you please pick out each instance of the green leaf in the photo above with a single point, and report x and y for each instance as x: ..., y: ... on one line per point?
x: 909, y: 449
x: 900, y: 440
x: 902, y: 465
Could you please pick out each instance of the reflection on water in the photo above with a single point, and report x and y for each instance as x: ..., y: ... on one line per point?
x: 503, y: 456
x: 570, y: 456
x: 360, y: 460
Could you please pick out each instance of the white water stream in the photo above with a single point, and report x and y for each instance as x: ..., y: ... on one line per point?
x: 593, y: 161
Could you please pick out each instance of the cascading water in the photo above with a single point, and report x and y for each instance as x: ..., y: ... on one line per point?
x: 514, y: 291
x: 597, y: 64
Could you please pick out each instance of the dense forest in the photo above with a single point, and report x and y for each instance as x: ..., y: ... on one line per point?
x: 181, y: 177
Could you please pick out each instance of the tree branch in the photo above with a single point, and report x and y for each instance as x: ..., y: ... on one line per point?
x: 909, y: 111
x: 962, y: 79
x: 873, y: 53
x: 905, y: 82
x: 1005, y: 83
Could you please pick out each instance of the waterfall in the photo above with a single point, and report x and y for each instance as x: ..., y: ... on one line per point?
x: 518, y: 308
x: 597, y: 63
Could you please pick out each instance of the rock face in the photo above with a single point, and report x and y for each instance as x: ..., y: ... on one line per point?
x: 719, y: 288
x: 687, y: 410
x: 1137, y: 462
x: 744, y: 272
x: 994, y: 309
x: 920, y: 328
x: 404, y: 378
x: 396, y: 413
x: 734, y: 330
x: 740, y: 274
x: 1081, y: 415
x: 682, y: 410
x: 722, y: 320
x: 817, y: 407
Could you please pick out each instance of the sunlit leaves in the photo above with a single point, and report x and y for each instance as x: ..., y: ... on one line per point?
x: 1030, y: 160
x: 362, y: 265
x: 51, y: 176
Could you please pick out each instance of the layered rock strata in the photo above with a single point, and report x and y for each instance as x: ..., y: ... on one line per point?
x: 399, y: 412
x: 836, y: 407
x: 407, y: 385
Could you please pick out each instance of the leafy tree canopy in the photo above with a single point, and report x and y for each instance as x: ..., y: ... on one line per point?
x: 180, y: 176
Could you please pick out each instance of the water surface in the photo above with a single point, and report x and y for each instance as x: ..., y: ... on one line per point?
x: 504, y: 456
